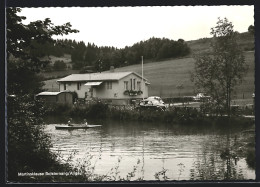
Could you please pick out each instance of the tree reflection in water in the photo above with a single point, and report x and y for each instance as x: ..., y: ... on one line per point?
x: 219, y: 162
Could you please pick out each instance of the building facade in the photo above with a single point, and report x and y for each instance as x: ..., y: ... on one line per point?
x: 114, y: 87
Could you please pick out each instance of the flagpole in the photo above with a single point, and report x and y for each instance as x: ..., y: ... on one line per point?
x: 143, y: 77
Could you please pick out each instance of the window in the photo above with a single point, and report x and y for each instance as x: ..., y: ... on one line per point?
x: 78, y: 85
x: 139, y: 85
x: 126, y: 85
x: 64, y: 86
x: 134, y: 84
x: 131, y: 82
x: 109, y: 85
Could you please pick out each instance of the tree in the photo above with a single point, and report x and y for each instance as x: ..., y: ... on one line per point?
x: 22, y: 65
x: 251, y: 29
x: 90, y: 54
x: 59, y: 65
x: 217, y: 74
x: 28, y: 145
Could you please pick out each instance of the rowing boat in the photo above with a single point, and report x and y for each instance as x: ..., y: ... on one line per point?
x: 76, y: 126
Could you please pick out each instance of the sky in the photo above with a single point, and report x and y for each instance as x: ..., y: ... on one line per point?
x: 124, y: 26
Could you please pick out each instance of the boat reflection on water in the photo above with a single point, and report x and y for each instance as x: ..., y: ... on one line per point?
x: 76, y: 126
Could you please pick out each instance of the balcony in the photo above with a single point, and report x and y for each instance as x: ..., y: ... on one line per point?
x: 133, y: 92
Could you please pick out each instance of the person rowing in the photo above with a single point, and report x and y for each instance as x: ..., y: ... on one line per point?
x: 85, y: 122
x: 69, y: 122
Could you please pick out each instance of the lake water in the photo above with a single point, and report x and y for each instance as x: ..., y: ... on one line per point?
x: 184, y: 151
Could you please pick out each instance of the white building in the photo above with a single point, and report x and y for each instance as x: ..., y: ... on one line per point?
x: 114, y: 87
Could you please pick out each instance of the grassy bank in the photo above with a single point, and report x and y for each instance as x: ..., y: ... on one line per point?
x: 172, y: 115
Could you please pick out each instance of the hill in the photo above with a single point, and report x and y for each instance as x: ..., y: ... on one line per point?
x: 164, y: 76
x: 245, y: 40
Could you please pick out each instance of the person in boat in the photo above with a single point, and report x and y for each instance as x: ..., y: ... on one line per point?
x: 85, y: 122
x: 70, y: 122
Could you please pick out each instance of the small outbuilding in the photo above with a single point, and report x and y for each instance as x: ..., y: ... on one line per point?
x: 56, y: 97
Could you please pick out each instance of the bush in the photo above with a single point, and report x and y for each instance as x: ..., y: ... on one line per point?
x: 123, y: 114
x: 57, y: 109
x: 98, y: 110
x: 178, y: 99
x: 78, y: 65
x: 183, y: 115
x: 95, y: 110
x: 250, y: 158
x: 77, y: 112
x: 28, y: 145
x: 48, y: 68
x: 59, y: 65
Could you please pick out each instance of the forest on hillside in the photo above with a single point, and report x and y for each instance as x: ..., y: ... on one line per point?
x: 92, y: 58
x: 89, y: 57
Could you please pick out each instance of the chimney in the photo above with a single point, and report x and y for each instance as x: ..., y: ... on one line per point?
x: 112, y: 69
